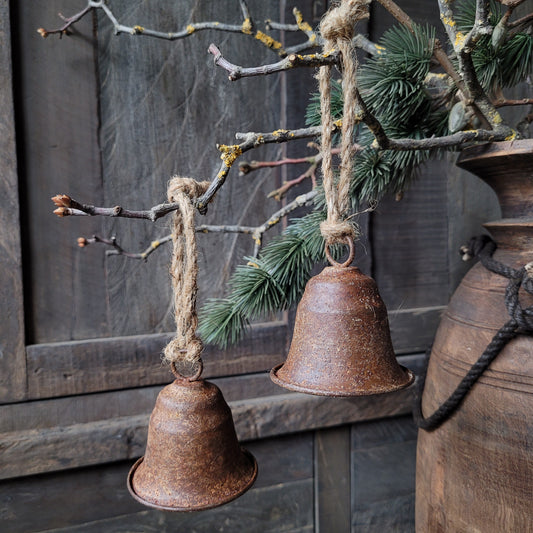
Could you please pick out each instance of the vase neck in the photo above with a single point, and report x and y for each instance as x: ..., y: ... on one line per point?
x: 507, y: 167
x: 514, y: 238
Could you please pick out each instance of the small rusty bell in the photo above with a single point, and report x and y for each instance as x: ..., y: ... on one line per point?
x: 341, y: 344
x: 193, y: 460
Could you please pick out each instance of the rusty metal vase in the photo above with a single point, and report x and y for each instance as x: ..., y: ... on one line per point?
x: 341, y: 344
x: 475, y: 471
x: 193, y: 460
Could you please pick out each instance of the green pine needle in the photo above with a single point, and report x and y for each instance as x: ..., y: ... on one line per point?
x: 221, y: 322
x: 506, y: 66
x: 270, y: 283
x: 393, y: 86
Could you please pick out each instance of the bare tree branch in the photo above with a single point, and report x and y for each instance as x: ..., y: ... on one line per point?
x: 291, y: 61
x: 274, y: 219
x: 247, y: 27
x: 118, y: 250
x: 503, y: 102
x: 68, y: 22
x: 67, y: 206
x: 246, y: 168
x: 257, y: 232
x: 456, y: 140
x: 248, y: 141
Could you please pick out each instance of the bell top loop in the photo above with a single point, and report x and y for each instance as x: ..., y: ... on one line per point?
x: 199, y: 367
x: 349, y: 242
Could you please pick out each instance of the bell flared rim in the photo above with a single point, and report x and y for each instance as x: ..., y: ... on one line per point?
x: 341, y: 393
x: 223, y: 497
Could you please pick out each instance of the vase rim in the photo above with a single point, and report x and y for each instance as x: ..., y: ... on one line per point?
x: 495, y: 149
x: 524, y: 222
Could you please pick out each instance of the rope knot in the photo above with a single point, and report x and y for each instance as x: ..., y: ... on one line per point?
x: 179, y: 185
x: 338, y: 23
x: 337, y: 231
x: 477, y: 245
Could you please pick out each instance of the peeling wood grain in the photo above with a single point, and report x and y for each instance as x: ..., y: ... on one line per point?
x: 332, y: 480
x: 96, y: 495
x: 59, y: 369
x: 56, y: 448
x: 12, y: 355
x: 383, y: 475
x: 58, y: 135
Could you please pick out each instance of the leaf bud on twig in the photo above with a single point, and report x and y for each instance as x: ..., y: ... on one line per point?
x: 62, y: 200
x: 62, y: 212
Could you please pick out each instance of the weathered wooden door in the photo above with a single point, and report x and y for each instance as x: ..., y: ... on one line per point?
x: 108, y: 119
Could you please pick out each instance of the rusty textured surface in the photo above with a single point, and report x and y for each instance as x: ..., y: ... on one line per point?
x: 481, y: 459
x: 341, y: 344
x: 193, y: 460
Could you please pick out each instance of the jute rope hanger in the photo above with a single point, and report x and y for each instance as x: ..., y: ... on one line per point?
x: 184, y: 351
x: 337, y: 30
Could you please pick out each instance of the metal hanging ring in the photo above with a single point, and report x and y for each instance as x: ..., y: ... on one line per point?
x: 194, y: 377
x: 349, y: 242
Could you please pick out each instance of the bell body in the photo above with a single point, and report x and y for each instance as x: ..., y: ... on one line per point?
x: 193, y: 460
x: 341, y: 344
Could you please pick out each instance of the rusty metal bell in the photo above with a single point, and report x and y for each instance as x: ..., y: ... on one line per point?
x: 341, y: 344
x: 193, y: 460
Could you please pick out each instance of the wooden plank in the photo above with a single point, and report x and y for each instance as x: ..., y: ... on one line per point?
x: 413, y: 330
x: 66, y: 411
x: 332, y: 480
x: 52, y: 449
x: 58, y: 369
x: 58, y: 132
x: 173, y: 131
x: 73, y: 445
x: 411, y: 257
x: 12, y: 355
x: 285, y: 508
x: 67, y: 499
x: 383, y: 475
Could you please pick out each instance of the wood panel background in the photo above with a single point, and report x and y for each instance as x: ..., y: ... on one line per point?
x: 109, y: 119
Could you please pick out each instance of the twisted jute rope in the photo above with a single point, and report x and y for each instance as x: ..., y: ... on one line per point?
x: 183, y: 352
x: 519, y: 323
x: 337, y: 30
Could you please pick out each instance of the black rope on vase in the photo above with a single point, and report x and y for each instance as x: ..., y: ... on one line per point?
x: 520, y: 323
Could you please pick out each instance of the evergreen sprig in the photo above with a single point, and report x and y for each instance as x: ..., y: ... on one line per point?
x: 270, y: 283
x: 393, y: 85
x: 497, y: 65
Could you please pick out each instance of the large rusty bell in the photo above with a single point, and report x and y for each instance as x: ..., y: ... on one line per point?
x: 341, y: 344
x: 193, y: 460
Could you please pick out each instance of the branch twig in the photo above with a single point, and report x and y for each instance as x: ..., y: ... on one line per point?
x: 257, y: 232
x: 118, y: 250
x: 247, y: 27
x: 291, y: 61
x: 229, y: 155
x: 67, y: 206
x: 457, y: 139
x: 503, y: 102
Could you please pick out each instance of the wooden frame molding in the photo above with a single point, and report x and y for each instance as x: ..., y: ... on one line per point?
x: 94, y: 365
